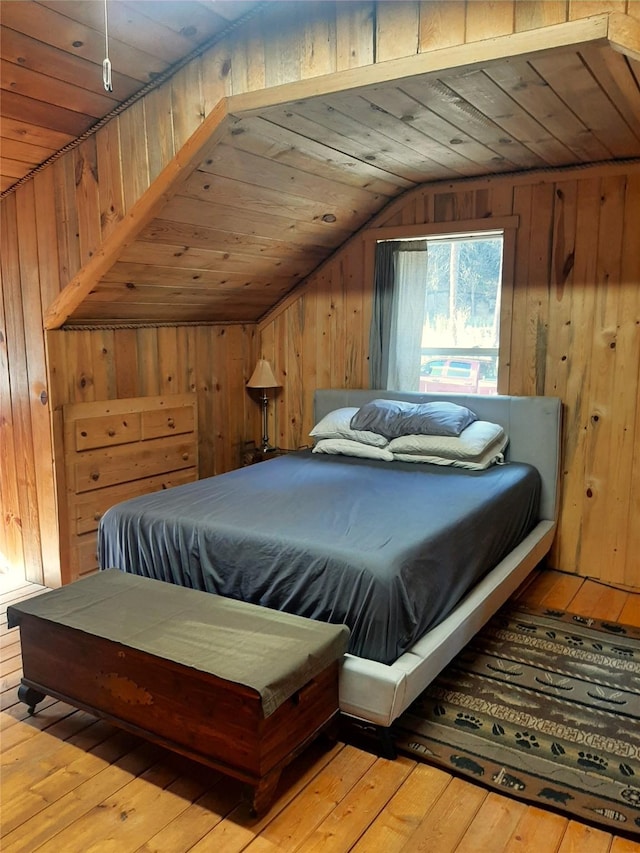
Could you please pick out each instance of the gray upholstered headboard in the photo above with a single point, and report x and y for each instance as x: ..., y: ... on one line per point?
x: 533, y: 425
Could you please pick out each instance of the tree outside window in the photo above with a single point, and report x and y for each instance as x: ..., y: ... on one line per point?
x: 460, y: 334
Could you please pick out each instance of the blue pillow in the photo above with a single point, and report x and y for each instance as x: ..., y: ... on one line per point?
x: 393, y: 418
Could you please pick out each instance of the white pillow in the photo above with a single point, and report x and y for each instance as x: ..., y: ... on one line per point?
x: 489, y: 458
x: 337, y: 424
x: 346, y: 447
x: 472, y: 442
x: 480, y: 445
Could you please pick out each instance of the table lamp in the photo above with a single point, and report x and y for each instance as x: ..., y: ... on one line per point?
x: 263, y: 378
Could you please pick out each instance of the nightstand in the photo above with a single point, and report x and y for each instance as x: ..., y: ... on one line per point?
x: 252, y: 454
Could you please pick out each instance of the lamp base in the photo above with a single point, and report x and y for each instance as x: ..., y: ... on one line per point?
x: 266, y: 446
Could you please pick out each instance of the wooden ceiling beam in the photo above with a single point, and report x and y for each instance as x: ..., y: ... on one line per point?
x: 624, y: 34
x: 139, y: 216
x: 570, y: 34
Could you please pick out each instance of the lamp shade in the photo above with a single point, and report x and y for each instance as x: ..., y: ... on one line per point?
x: 262, y: 376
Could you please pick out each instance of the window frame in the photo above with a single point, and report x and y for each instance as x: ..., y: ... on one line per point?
x: 508, y: 225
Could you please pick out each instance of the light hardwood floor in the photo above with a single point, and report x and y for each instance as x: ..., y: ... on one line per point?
x: 74, y: 783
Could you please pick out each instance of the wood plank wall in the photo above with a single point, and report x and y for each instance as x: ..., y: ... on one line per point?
x: 570, y: 328
x: 53, y: 224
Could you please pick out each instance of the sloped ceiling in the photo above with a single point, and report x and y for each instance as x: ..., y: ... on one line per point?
x: 274, y: 182
x: 52, y: 55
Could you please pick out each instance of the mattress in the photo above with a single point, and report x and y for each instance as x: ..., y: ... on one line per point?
x: 387, y: 548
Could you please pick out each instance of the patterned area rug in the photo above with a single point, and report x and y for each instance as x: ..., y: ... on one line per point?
x: 542, y: 705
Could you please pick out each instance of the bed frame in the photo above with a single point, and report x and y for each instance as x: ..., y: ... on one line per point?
x: 375, y: 694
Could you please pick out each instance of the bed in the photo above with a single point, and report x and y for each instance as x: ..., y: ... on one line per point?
x: 388, y: 547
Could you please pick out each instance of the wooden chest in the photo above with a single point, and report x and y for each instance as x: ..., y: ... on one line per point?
x: 238, y: 687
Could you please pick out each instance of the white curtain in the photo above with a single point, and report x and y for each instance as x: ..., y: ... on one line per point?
x: 407, y: 316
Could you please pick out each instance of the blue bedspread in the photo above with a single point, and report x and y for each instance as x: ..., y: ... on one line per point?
x: 387, y: 548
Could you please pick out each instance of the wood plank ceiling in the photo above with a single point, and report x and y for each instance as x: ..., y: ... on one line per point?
x: 280, y: 187
x: 51, y: 64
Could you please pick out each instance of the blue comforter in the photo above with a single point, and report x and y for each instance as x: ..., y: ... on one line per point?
x: 387, y: 548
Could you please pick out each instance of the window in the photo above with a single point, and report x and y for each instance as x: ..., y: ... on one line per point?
x: 462, y: 314
x: 437, y: 313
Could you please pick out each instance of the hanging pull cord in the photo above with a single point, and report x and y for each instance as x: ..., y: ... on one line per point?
x: 106, y: 65
x: 106, y: 75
